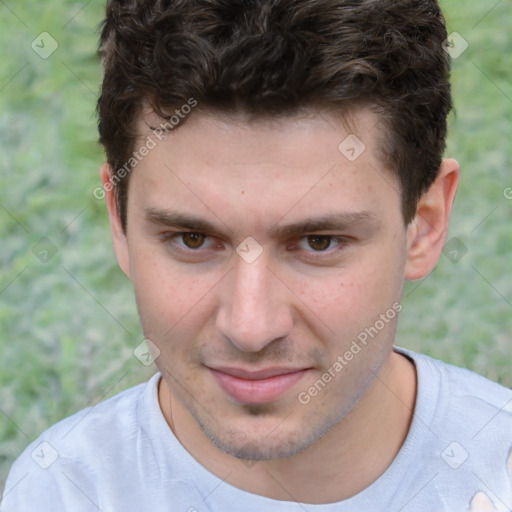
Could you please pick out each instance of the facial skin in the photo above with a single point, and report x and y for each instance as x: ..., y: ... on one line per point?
x: 297, y: 307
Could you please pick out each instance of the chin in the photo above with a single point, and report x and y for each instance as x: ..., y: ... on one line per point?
x: 270, y: 440
x: 262, y: 448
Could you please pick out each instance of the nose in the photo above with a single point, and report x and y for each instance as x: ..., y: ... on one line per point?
x: 255, y: 309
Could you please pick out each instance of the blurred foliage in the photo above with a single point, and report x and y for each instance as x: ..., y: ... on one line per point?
x: 69, y: 326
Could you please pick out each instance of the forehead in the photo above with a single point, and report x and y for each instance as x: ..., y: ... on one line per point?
x: 348, y: 133
x: 312, y: 160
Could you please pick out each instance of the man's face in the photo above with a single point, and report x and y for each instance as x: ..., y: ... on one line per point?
x: 249, y: 295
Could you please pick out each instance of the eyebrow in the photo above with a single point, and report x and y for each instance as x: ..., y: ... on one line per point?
x: 331, y: 222
x: 181, y: 220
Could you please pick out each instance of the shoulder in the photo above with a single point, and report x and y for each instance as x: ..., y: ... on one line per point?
x: 462, y: 386
x: 462, y: 428
x: 83, y: 450
x: 459, y: 406
x: 94, y: 427
x: 469, y: 413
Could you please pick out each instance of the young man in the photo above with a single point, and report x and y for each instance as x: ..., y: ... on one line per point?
x: 274, y: 175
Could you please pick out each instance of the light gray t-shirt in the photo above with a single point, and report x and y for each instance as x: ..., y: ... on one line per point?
x: 121, y: 456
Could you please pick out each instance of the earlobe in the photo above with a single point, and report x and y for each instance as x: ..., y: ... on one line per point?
x: 118, y: 235
x: 427, y: 232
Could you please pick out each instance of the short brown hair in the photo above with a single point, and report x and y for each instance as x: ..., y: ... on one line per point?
x: 274, y: 57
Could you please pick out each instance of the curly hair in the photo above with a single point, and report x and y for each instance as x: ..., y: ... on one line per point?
x: 275, y: 57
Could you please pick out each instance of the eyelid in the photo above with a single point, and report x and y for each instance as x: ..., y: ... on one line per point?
x: 170, y: 237
x: 340, y: 242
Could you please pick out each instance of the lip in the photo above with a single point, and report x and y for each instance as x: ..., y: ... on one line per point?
x: 259, y: 386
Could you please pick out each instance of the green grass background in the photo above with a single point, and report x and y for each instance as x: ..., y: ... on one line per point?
x: 68, y: 327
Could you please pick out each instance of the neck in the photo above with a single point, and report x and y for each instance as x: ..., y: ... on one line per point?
x: 346, y: 460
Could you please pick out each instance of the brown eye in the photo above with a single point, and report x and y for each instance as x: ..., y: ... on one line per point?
x: 319, y: 242
x: 193, y: 240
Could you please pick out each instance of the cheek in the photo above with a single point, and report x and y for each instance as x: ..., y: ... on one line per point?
x: 353, y: 297
x: 168, y: 299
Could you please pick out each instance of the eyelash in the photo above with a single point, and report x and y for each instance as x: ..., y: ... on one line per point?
x: 170, y: 239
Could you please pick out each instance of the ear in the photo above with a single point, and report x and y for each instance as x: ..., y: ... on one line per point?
x: 426, y: 234
x: 118, y: 234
